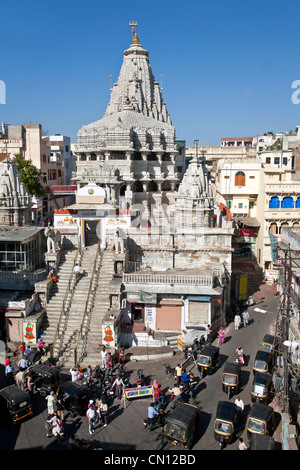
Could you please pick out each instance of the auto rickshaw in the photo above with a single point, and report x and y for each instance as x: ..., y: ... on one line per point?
x: 74, y: 397
x: 46, y: 378
x: 225, y: 422
x: 180, y: 425
x: 269, y: 343
x: 231, y: 378
x: 16, y: 403
x: 260, y: 442
x: 208, y: 360
x: 263, y: 362
x: 261, y: 387
x: 260, y: 420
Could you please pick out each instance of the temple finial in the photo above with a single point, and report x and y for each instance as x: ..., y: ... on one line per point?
x: 135, y: 39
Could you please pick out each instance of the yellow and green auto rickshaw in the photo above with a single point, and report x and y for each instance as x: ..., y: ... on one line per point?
x: 225, y: 422
x: 208, y: 360
x: 260, y: 420
x: 181, y: 425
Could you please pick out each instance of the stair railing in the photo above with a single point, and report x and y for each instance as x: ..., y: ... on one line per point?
x: 81, y: 335
x: 64, y: 303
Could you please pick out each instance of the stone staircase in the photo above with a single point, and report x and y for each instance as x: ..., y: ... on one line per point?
x: 89, y: 352
x: 72, y: 320
x: 65, y: 268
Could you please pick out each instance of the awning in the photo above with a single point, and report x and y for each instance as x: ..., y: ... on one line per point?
x: 250, y: 221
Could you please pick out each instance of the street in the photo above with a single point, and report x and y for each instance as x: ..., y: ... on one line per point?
x: 125, y: 430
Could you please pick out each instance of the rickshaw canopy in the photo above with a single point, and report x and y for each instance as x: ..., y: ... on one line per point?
x: 261, y: 412
x: 268, y: 343
x: 208, y: 353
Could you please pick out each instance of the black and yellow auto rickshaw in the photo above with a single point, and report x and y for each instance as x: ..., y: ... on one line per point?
x: 208, y: 360
x: 231, y: 378
x: 15, y: 403
x: 74, y: 397
x: 263, y: 362
x: 181, y: 424
x: 225, y: 422
x: 261, y: 387
x: 269, y: 344
x: 46, y: 378
x: 260, y: 420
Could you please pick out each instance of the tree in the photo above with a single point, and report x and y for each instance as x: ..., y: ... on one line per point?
x: 29, y: 175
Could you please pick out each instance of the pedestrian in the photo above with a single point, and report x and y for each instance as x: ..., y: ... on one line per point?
x: 103, y: 411
x: 76, y: 272
x: 176, y: 395
x: 20, y: 379
x: 22, y: 349
x: 242, y: 445
x: 237, y: 321
x: 74, y: 374
x: 109, y: 361
x: 119, y: 384
x: 30, y: 385
x: 104, y: 358
x: 22, y: 364
x: 192, y: 384
x: 41, y: 346
x: 9, y: 373
x: 239, y: 405
x: 60, y: 408
x: 51, y: 423
x: 208, y: 333
x: 51, y: 402
x: 245, y: 318
x: 91, y: 414
x: 221, y: 334
x: 178, y: 371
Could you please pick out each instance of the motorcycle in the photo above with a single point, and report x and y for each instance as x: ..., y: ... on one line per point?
x: 141, y: 382
x: 157, y: 421
x: 54, y: 426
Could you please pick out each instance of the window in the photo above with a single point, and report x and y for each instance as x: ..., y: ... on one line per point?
x: 240, y: 205
x: 228, y: 204
x: 274, y: 203
x: 268, y: 159
x: 276, y: 160
x: 240, y: 179
x: 287, y: 203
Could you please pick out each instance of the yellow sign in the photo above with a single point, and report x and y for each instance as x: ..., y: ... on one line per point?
x: 180, y: 343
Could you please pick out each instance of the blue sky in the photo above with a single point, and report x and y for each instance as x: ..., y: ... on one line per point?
x: 227, y: 66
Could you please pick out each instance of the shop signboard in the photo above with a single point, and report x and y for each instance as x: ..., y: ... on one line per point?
x: 142, y: 297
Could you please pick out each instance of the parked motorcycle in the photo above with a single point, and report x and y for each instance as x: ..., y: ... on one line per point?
x: 141, y: 381
x: 169, y: 371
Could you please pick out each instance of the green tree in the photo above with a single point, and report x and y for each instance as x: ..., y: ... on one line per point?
x: 29, y: 175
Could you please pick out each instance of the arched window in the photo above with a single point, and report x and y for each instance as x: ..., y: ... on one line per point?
x: 287, y: 203
x: 138, y: 187
x: 240, y: 178
x: 273, y: 229
x: 274, y: 203
x: 282, y: 227
x: 152, y: 187
x: 298, y: 203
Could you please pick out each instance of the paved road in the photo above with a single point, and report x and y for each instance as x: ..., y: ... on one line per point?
x: 125, y: 430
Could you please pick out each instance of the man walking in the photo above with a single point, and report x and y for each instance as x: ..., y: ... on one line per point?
x: 245, y: 318
x: 91, y: 414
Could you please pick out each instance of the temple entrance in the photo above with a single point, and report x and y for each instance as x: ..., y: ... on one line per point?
x: 91, y: 232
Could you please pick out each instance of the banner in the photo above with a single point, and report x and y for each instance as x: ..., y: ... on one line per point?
x: 138, y: 392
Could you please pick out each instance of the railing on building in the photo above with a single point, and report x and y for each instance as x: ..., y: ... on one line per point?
x: 183, y: 279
